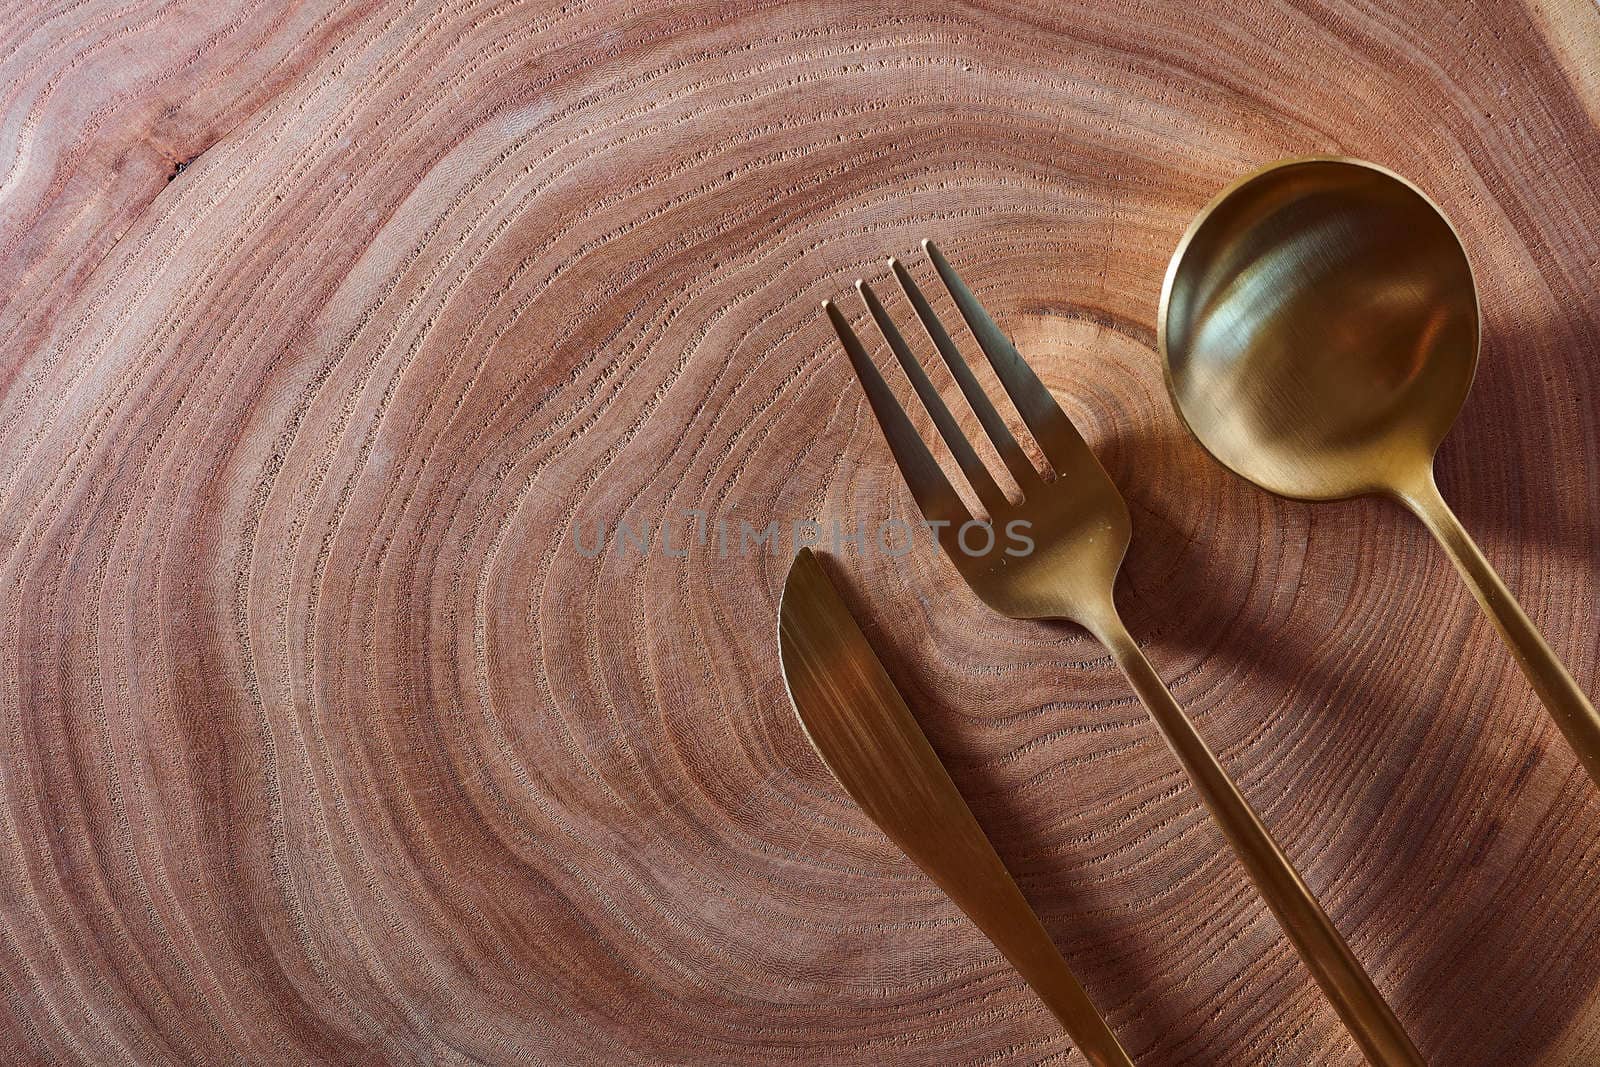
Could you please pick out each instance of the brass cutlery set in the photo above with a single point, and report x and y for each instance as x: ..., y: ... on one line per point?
x: 1319, y: 326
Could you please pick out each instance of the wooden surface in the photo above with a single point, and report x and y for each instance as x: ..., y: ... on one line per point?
x: 325, y: 325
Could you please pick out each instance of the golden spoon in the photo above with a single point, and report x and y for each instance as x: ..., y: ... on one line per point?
x: 1319, y: 325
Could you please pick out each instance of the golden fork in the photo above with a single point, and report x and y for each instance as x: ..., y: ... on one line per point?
x: 1079, y: 527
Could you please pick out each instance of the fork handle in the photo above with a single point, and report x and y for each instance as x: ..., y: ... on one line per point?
x: 1343, y: 981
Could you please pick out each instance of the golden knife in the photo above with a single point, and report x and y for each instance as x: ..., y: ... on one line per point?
x: 864, y: 733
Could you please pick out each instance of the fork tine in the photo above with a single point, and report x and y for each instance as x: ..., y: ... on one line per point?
x: 1058, y: 439
x: 1005, y: 444
x: 977, y: 474
x: 937, y: 501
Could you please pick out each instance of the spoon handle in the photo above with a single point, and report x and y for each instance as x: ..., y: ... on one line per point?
x: 1567, y: 705
x: 1347, y: 986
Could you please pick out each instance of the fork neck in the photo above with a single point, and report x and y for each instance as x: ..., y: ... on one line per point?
x: 1103, y: 621
x: 1107, y: 627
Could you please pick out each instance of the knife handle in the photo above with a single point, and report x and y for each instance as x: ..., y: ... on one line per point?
x: 862, y: 730
x: 974, y: 877
x: 919, y: 807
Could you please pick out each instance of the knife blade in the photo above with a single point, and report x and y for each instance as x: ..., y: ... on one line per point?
x: 865, y: 734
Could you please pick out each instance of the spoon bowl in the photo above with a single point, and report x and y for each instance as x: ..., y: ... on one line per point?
x: 1319, y: 324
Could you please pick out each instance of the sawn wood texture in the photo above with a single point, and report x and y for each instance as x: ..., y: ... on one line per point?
x: 326, y: 328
